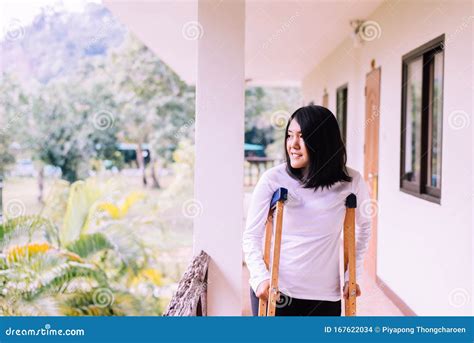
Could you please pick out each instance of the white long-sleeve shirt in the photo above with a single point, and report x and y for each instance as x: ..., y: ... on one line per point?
x: 311, y: 234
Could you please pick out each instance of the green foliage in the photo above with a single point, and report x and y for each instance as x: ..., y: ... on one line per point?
x: 82, y: 196
x: 263, y: 108
x: 88, y: 245
x: 154, y: 105
x: 25, y: 229
x: 11, y: 100
x: 81, y: 114
x: 145, y: 100
x: 94, y: 264
x: 52, y: 86
x: 67, y: 132
x: 6, y: 157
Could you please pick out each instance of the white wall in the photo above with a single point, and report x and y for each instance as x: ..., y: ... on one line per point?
x: 424, y: 249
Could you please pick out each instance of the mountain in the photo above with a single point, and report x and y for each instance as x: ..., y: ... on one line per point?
x: 55, y: 42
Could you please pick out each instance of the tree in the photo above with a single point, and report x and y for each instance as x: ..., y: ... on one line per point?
x: 266, y: 112
x: 6, y: 157
x: 175, y: 124
x: 152, y: 100
x: 70, y: 122
x: 11, y: 102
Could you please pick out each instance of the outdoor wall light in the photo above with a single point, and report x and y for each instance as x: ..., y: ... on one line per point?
x: 364, y: 31
x: 356, y: 25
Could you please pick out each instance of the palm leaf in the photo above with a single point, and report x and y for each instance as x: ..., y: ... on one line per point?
x: 35, y: 269
x: 82, y: 196
x: 18, y: 306
x: 88, y: 245
x: 128, y: 246
x: 25, y: 229
x: 103, y: 302
x: 59, y: 278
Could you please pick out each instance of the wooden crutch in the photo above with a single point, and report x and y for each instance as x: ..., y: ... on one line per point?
x: 350, y: 253
x: 267, y: 308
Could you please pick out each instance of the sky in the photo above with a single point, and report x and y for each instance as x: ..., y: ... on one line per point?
x: 15, y: 14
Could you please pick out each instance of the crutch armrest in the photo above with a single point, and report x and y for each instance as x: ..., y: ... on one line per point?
x: 280, y: 194
x: 351, y: 201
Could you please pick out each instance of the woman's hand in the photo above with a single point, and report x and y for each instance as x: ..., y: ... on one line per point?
x: 262, y: 290
x: 346, y: 290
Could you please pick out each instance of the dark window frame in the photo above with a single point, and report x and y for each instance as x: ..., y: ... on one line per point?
x: 427, y: 52
x: 344, y: 119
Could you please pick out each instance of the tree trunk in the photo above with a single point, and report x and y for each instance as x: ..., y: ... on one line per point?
x: 141, y: 163
x: 41, y: 185
x: 190, y: 299
x: 156, y: 183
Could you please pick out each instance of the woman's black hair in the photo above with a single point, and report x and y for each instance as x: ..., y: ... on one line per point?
x: 326, y: 150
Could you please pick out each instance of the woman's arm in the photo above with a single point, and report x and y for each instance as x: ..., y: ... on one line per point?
x: 255, y: 231
x: 364, y: 212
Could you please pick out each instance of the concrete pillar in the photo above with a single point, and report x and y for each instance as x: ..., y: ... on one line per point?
x: 219, y: 150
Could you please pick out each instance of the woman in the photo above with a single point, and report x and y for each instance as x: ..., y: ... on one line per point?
x: 318, y: 183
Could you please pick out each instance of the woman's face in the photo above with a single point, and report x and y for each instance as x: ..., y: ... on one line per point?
x: 295, y: 146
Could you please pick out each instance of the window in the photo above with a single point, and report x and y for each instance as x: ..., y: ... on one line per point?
x: 422, y: 103
x: 341, y: 110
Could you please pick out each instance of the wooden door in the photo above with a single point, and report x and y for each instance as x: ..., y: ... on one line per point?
x: 371, y: 160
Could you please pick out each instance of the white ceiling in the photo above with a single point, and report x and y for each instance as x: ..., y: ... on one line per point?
x: 285, y: 39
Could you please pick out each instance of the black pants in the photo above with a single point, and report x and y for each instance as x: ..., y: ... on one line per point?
x: 288, y: 306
